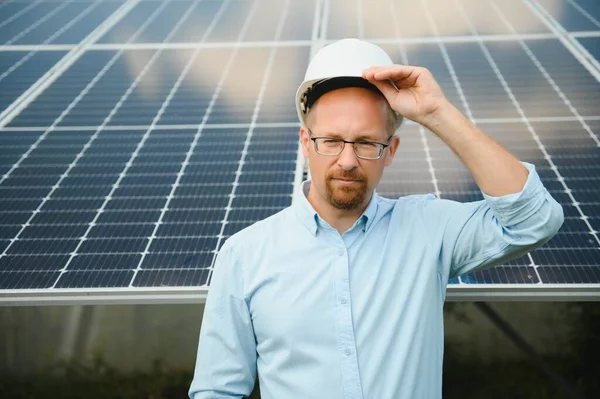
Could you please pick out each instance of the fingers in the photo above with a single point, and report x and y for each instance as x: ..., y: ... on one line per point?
x: 392, y: 72
x: 388, y: 90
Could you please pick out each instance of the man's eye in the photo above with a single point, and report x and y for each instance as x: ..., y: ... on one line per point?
x: 331, y: 141
x: 367, y: 144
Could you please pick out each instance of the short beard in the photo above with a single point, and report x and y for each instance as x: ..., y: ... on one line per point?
x: 346, y: 198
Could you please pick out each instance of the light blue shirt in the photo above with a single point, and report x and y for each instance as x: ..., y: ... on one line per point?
x: 319, y: 315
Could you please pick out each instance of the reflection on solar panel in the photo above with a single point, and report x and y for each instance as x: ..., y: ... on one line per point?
x: 136, y: 136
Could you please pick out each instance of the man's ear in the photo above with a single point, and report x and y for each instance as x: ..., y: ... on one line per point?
x: 304, y: 140
x: 394, y: 144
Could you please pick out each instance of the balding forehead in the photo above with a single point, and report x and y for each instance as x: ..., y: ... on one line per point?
x: 337, y: 94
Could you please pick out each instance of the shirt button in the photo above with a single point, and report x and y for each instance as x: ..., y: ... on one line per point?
x: 341, y: 252
x: 344, y: 301
x: 347, y: 352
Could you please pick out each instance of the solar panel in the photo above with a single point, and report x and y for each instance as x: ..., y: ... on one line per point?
x: 136, y: 137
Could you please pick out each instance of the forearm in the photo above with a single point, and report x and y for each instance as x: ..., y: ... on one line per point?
x: 495, y: 170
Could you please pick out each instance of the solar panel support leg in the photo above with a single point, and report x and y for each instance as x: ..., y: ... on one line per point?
x: 520, y: 342
x: 70, y: 333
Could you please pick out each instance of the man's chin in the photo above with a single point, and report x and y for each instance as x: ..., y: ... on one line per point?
x: 346, y: 199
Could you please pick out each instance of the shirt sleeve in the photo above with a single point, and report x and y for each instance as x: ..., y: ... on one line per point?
x: 475, y: 235
x: 226, y: 359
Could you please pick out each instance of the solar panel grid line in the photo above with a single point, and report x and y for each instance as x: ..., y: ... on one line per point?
x: 461, y: 38
x: 318, y: 27
x: 536, y: 138
x: 299, y: 42
x: 584, y: 13
x: 19, y: 13
x: 584, y: 34
x: 37, y: 23
x: 37, y: 47
x: 145, y: 209
x: 324, y: 24
x: 447, y: 61
x: 250, y: 132
x: 547, y: 76
x: 66, y: 62
x: 536, y: 119
x: 140, y: 144
x: 226, y: 126
x: 291, y: 43
x: 574, y: 47
x: 359, y: 19
x: 194, y: 45
x: 223, y: 126
x: 145, y: 175
x: 197, y: 135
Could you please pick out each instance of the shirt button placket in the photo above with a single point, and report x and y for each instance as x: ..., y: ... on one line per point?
x: 346, y: 339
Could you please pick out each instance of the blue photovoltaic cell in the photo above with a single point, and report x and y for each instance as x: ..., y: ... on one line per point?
x: 52, y: 22
x: 130, y: 23
x: 20, y: 69
x: 592, y: 45
x: 85, y: 22
x: 48, y: 24
x: 47, y: 107
x: 567, y: 72
x: 24, y: 18
x: 11, y: 10
x: 192, y: 18
x: 569, y: 13
x: 136, y: 164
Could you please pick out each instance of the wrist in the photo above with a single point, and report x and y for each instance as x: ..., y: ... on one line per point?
x: 444, y: 114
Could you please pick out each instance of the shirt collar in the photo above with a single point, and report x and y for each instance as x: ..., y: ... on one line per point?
x: 310, y: 218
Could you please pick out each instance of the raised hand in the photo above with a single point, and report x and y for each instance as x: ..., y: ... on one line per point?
x: 418, y: 97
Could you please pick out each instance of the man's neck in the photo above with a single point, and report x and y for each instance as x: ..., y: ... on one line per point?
x: 339, y: 219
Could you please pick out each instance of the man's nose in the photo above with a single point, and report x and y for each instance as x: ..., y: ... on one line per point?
x: 347, y: 159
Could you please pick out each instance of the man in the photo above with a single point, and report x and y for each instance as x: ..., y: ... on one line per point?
x: 341, y: 294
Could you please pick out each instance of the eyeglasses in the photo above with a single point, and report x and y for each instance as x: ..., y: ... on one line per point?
x: 330, y: 146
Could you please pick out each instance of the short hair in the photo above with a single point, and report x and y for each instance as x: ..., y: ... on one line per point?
x: 394, y: 120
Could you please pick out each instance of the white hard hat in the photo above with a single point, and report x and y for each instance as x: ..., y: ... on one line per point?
x: 345, y: 58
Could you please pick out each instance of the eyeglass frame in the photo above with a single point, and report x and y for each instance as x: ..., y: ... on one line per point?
x: 382, y: 148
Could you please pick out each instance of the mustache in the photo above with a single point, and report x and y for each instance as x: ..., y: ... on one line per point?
x: 348, y: 175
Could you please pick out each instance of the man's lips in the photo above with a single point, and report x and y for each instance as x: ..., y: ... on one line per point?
x: 347, y: 181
